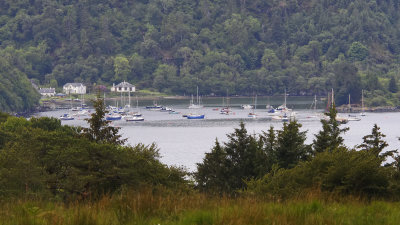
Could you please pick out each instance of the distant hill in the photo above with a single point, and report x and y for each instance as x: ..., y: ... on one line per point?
x: 239, y: 46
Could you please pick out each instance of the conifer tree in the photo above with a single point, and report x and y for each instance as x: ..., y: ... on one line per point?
x: 329, y: 137
x: 269, y: 140
x: 227, y: 167
x: 290, y: 147
x: 99, y: 129
x: 375, y: 144
x: 212, y: 173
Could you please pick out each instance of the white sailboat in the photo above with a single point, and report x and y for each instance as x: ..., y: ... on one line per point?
x: 283, y: 107
x: 352, y: 117
x: 253, y: 114
x: 313, y: 107
x: 198, y: 104
x: 338, y: 118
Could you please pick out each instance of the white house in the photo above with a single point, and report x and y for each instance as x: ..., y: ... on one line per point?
x: 74, y: 88
x: 49, y: 92
x: 123, y: 87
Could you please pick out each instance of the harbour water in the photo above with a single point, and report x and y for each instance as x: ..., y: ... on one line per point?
x: 183, y: 142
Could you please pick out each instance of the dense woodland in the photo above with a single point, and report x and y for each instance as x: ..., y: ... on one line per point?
x: 235, y: 46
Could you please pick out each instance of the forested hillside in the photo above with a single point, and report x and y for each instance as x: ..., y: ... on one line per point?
x: 239, y: 46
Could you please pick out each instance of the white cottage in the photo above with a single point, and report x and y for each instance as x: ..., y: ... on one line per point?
x: 48, y: 92
x: 74, y: 88
x: 123, y: 87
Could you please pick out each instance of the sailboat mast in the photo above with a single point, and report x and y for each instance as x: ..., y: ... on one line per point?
x: 197, y: 95
x: 333, y: 99
x: 315, y: 102
x: 362, y: 100
x: 285, y: 99
x: 255, y: 103
x: 349, y: 102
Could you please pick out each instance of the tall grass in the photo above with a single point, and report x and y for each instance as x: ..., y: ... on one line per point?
x: 165, y: 207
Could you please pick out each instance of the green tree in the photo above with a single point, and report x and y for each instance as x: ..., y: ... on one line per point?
x: 374, y: 144
x: 346, y: 81
x: 329, y: 137
x: 122, y: 68
x: 212, y: 173
x: 357, y: 51
x: 290, y: 146
x: 227, y: 167
x: 99, y: 129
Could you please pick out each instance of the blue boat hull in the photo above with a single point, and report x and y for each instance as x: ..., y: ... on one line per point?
x: 113, y: 118
x: 195, y: 117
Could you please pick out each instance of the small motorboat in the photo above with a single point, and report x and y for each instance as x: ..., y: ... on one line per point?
x: 246, y: 106
x: 353, y: 118
x: 138, y: 114
x: 252, y: 115
x: 66, y: 117
x: 131, y: 118
x: 113, y: 116
x: 76, y: 109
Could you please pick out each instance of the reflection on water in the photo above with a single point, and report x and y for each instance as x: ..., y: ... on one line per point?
x: 183, y: 142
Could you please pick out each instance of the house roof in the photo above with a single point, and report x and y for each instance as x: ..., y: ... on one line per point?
x: 124, y: 84
x: 47, y: 90
x: 73, y: 84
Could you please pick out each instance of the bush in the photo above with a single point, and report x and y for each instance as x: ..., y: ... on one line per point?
x: 343, y: 171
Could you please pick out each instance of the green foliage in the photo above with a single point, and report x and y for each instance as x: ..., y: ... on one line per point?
x: 42, y: 158
x: 341, y: 171
x: 329, y: 137
x: 346, y: 81
x: 357, y: 51
x: 374, y: 144
x: 99, y: 129
x: 225, y: 168
x: 16, y: 91
x: 174, y: 46
x: 393, y: 85
x: 290, y: 148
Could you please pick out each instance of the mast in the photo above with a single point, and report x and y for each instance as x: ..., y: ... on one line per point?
x: 284, y: 105
x: 122, y: 103
x: 255, y: 103
x: 197, y: 95
x: 315, y: 102
x: 362, y: 100
x: 333, y: 99
x: 349, y: 102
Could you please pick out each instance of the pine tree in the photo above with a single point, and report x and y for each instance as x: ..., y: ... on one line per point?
x: 290, y: 148
x: 99, y: 129
x: 329, y: 137
x: 375, y: 144
x: 269, y: 140
x: 227, y: 167
x: 211, y: 175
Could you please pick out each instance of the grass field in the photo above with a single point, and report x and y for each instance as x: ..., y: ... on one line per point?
x: 148, y: 207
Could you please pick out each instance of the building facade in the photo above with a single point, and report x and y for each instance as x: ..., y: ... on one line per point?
x: 48, y: 92
x: 123, y: 87
x: 74, y: 88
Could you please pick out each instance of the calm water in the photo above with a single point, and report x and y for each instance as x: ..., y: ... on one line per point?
x: 183, y: 142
